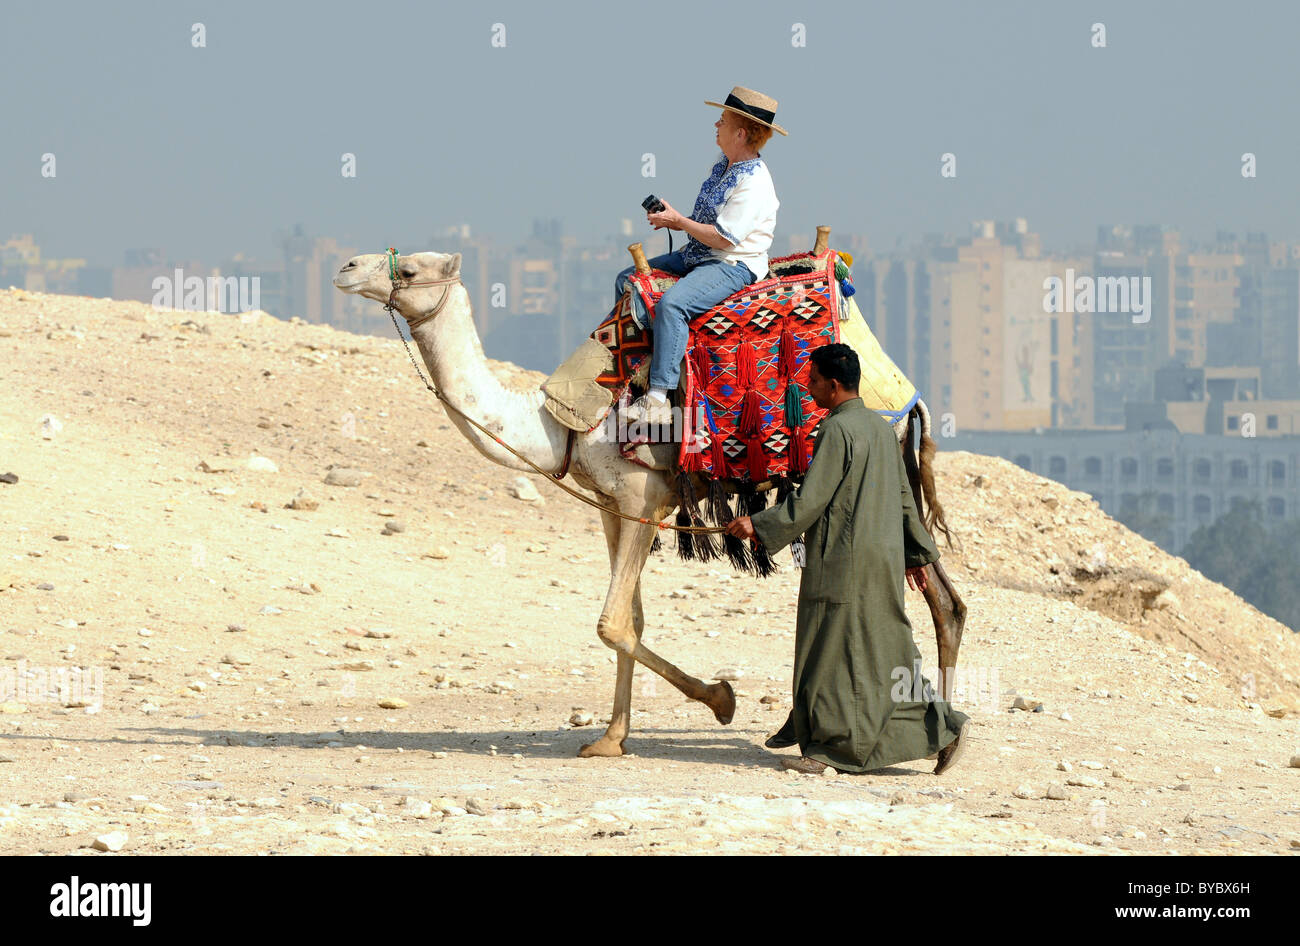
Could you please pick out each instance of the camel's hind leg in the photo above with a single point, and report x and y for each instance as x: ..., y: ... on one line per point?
x: 949, y: 614
x: 620, y: 720
x: 947, y: 610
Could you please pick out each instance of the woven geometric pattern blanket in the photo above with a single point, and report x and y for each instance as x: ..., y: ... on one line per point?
x: 747, y: 412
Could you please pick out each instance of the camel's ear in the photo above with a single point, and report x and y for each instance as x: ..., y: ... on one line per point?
x: 451, y: 266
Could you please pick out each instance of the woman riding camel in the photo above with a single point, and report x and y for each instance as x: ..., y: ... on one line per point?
x: 729, y: 233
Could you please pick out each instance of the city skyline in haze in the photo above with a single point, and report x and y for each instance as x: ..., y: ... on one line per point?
x: 497, y: 117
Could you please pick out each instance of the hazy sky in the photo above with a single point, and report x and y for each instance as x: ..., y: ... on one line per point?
x: 208, y: 152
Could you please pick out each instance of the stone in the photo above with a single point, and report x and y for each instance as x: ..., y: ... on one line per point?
x: 477, y: 806
x: 1024, y: 791
x: 1166, y: 601
x: 10, y: 708
x: 112, y: 841
x: 50, y: 426
x: 358, y: 665
x: 523, y: 490
x: 393, y: 703
x: 580, y: 718
x: 982, y: 482
x: 440, y: 552
x: 728, y: 674
x: 302, y: 501
x: 393, y: 526
x: 343, y: 476
x: 416, y: 808
x: 215, y: 466
x: 1085, y: 781
x: 9, y: 478
x: 1057, y: 792
x: 1029, y: 706
x: 1295, y: 762
x: 236, y: 659
x: 1064, y: 766
x: 262, y: 464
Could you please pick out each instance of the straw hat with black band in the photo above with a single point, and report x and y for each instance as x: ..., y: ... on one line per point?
x: 753, y: 105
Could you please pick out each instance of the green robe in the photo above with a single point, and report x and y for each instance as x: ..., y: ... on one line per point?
x: 857, y: 703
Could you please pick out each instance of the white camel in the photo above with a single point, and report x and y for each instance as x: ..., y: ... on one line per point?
x: 436, y: 307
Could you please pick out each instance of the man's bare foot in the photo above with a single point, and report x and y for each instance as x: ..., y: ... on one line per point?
x: 803, y: 764
x: 950, y: 754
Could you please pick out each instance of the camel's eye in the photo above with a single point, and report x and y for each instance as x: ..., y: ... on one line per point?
x: 407, y: 271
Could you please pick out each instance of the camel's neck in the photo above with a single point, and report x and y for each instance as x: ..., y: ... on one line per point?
x: 450, y: 347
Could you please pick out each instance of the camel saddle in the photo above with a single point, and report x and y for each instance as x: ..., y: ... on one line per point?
x: 747, y: 412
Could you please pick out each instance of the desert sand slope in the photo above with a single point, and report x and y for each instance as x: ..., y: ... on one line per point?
x: 314, y: 680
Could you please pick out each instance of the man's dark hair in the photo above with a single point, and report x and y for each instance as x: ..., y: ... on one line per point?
x: 838, y: 362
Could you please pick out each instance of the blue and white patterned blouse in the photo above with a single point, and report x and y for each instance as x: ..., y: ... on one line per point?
x: 740, y: 202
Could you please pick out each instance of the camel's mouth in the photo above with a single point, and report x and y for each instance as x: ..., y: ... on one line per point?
x: 348, y: 285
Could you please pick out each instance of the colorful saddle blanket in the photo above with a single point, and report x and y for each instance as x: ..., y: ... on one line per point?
x: 748, y: 413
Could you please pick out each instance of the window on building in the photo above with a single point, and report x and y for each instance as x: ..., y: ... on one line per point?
x: 1276, y: 507
x: 1271, y: 422
x: 1128, y: 504
x: 1164, y: 469
x: 1202, y: 470
x: 1165, y: 504
x: 1024, y: 461
x: 1201, y: 507
x: 1240, y: 470
x: 1056, y: 467
x: 1232, y: 421
x: 1128, y: 468
x: 1276, y: 472
x: 1092, y: 466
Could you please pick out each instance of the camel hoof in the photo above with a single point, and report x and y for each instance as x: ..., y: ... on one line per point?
x: 603, y: 748
x: 722, y: 700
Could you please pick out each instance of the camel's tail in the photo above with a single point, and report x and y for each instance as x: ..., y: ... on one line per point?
x: 933, y: 512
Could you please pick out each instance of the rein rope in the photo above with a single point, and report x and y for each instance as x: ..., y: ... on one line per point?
x: 556, y: 478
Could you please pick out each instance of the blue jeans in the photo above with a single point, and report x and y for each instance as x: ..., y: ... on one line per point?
x: 699, y: 289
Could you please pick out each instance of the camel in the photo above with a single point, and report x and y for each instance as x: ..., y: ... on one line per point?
x: 428, y: 294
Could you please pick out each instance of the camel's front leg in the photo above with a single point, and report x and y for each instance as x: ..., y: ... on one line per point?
x: 617, y: 627
x: 620, y: 719
x: 949, y: 614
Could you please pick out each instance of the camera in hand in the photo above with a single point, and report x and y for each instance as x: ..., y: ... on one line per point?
x: 652, y: 204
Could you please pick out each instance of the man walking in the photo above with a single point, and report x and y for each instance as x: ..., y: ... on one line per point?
x: 857, y: 706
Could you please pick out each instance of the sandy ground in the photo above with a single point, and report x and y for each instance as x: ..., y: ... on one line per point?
x: 244, y: 648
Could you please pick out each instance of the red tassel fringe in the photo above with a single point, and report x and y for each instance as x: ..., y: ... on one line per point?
x: 798, y: 453
x: 756, y: 459
x: 700, y: 357
x: 788, y: 354
x: 750, y: 423
x: 746, y: 367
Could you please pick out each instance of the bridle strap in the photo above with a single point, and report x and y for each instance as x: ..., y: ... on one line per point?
x: 399, y: 283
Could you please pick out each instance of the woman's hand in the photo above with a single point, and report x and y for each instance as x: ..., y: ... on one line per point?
x: 665, y: 218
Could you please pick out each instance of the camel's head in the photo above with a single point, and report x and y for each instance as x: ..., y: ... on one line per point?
x: 369, y: 275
